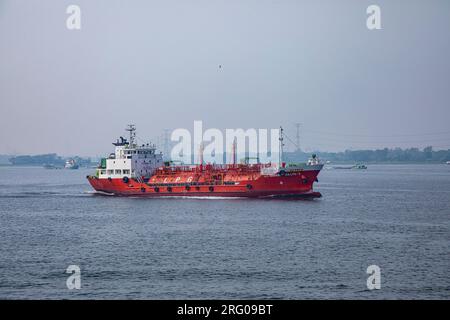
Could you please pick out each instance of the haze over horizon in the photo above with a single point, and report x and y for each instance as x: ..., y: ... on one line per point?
x: 232, y: 64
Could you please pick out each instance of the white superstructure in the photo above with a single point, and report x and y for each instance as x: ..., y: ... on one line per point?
x: 130, y: 160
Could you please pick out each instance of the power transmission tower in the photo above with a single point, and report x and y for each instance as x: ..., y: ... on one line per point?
x: 158, y: 142
x: 297, y: 136
x: 166, y: 144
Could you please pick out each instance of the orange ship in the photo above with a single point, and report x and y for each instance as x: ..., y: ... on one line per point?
x: 140, y: 170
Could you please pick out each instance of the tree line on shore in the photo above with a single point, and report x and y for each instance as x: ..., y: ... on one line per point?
x: 47, y: 159
x: 396, y: 155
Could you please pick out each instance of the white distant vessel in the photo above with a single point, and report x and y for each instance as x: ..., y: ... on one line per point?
x: 71, y: 164
x: 448, y: 162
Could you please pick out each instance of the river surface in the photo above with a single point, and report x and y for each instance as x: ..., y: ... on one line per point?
x: 394, y: 216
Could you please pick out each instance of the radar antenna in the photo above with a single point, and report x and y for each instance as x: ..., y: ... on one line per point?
x: 132, y: 129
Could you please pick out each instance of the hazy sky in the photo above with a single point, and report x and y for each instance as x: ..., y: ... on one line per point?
x: 156, y: 64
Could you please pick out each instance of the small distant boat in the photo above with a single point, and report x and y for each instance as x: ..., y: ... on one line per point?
x: 448, y: 162
x: 358, y: 166
x: 343, y: 167
x: 71, y: 164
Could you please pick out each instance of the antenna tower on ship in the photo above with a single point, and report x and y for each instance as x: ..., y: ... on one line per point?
x: 280, y: 152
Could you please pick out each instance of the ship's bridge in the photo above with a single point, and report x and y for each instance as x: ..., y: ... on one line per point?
x: 130, y: 160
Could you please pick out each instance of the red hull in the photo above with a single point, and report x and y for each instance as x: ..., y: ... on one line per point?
x: 297, y: 185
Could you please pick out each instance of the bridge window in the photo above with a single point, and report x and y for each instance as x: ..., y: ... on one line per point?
x: 126, y: 171
x: 110, y: 171
x: 118, y: 171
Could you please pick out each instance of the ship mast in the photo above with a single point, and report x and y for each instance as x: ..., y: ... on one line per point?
x: 201, y: 149
x: 280, y: 151
x: 132, y: 129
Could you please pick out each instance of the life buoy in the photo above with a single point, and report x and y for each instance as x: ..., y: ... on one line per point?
x: 249, y: 186
x: 156, y: 189
x: 211, y: 188
x: 125, y: 179
x: 169, y: 189
x: 188, y: 188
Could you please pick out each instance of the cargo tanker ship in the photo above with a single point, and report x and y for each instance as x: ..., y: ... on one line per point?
x: 140, y: 170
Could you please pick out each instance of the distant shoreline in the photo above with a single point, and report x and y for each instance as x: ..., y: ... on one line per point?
x: 349, y: 157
